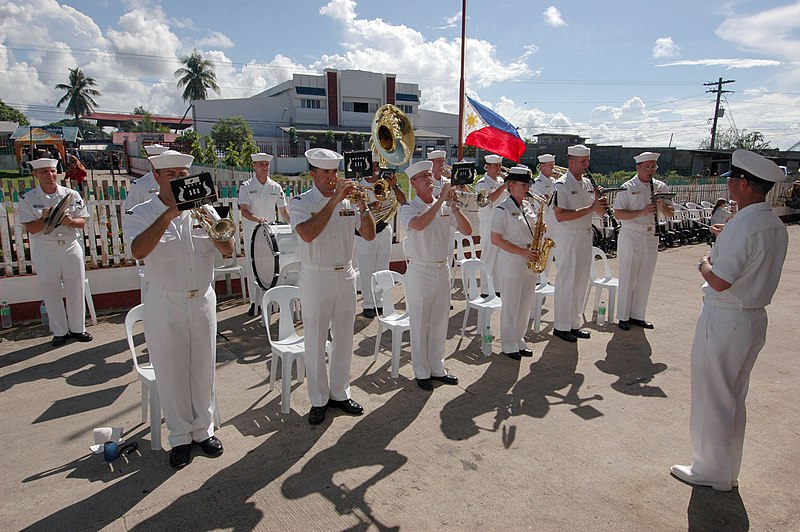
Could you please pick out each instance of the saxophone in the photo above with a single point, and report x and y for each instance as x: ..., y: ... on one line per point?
x: 540, y: 242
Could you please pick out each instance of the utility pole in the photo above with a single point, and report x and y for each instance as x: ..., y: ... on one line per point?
x: 718, y: 90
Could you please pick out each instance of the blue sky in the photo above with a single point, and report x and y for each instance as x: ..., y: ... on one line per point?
x: 617, y: 72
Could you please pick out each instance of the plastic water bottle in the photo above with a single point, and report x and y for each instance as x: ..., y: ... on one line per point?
x: 43, y: 314
x: 487, y: 334
x: 601, y: 313
x: 5, y: 313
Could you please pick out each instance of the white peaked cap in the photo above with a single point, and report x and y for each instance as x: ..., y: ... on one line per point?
x: 493, y: 159
x: 436, y: 154
x: 547, y: 158
x: 155, y: 149
x: 579, y: 150
x: 421, y: 166
x: 44, y: 163
x: 323, y: 158
x: 171, y: 159
x: 258, y: 157
x: 746, y: 162
x: 646, y: 156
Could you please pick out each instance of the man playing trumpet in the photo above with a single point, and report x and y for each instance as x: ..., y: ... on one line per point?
x: 495, y: 188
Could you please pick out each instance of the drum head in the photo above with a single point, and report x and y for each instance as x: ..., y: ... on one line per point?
x: 57, y: 214
x: 264, y: 256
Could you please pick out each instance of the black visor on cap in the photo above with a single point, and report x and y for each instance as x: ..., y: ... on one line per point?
x: 741, y: 173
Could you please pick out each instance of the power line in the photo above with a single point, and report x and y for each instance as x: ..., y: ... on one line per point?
x: 718, y: 92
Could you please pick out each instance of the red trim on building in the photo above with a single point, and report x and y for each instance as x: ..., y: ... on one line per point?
x: 333, y: 99
x: 390, y: 90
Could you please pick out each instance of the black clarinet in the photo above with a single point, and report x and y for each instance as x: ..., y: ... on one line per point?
x: 653, y: 195
x: 609, y: 210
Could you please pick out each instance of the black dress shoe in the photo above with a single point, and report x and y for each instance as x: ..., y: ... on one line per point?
x: 565, y: 335
x: 317, y: 415
x: 624, y: 325
x: 446, y: 379
x: 81, y: 337
x: 211, y: 446
x: 180, y: 456
x: 577, y: 333
x: 58, y: 341
x: 252, y: 310
x: 380, y: 311
x: 425, y: 384
x: 348, y: 406
x: 525, y: 353
x: 515, y: 355
x: 368, y: 313
x: 641, y: 323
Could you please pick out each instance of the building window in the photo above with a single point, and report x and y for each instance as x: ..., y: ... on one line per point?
x: 359, y: 107
x: 309, y: 104
x: 407, y: 109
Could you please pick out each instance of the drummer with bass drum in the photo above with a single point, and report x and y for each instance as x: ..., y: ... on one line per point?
x: 258, y: 198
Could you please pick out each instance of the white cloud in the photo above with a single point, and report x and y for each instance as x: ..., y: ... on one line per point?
x: 771, y: 32
x: 450, y: 22
x: 552, y: 17
x: 665, y: 47
x: 214, y: 39
x: 727, y: 63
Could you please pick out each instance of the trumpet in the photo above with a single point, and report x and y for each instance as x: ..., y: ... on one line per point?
x: 220, y: 229
x: 447, y: 171
x: 463, y: 196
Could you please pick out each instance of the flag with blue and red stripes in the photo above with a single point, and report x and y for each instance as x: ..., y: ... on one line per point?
x: 483, y: 128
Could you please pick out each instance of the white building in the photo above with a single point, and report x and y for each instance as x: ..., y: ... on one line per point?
x: 341, y: 101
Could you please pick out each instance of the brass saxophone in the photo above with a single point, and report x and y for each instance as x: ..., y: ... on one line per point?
x: 540, y: 242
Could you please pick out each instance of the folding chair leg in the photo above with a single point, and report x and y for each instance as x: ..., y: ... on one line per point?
x: 464, y: 324
x: 397, y: 340
x: 89, y: 301
x: 301, y: 369
x: 272, y: 367
x: 586, y: 302
x: 145, y: 401
x: 286, y: 385
x: 378, y: 341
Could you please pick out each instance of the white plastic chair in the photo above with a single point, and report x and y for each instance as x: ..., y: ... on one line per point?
x: 288, y: 346
x: 87, y: 294
x: 463, y: 244
x: 147, y: 376
x: 228, y: 267
x: 384, y: 281
x: 603, y: 282
x: 543, y: 290
x: 473, y: 272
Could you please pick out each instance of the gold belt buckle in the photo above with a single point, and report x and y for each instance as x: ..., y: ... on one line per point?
x: 192, y: 294
x: 338, y: 268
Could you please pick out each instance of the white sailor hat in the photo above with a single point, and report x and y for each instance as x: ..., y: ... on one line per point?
x: 436, y: 154
x: 323, y: 158
x: 519, y: 173
x: 547, y: 158
x: 418, y: 167
x: 579, y: 150
x: 493, y: 159
x: 646, y: 156
x: 748, y: 165
x: 171, y: 159
x: 155, y: 149
x: 43, y: 163
x: 258, y: 157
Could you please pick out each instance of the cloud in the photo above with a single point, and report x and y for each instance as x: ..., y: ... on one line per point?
x: 727, y: 63
x: 450, y: 22
x: 552, y: 17
x: 214, y: 39
x: 665, y: 47
x: 770, y: 32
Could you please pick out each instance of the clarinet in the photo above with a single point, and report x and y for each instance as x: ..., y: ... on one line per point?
x: 609, y: 210
x: 652, y: 195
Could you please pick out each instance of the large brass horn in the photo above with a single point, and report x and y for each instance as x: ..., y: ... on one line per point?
x: 392, y: 136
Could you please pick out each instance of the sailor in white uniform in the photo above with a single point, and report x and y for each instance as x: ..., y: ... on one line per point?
x: 146, y: 186
x: 59, y: 256
x: 543, y: 187
x: 180, y: 316
x: 496, y: 191
x: 258, y: 199
x: 429, y: 225
x: 326, y: 220
x: 573, y: 204
x: 437, y: 158
x: 741, y: 274
x: 638, y: 242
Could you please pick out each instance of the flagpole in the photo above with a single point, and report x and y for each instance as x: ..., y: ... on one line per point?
x: 461, y: 84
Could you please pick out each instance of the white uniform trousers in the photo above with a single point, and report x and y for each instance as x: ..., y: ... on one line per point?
x: 372, y: 256
x: 519, y: 284
x: 636, y: 258
x: 329, y: 302
x: 181, y: 338
x: 573, y: 253
x: 726, y: 343
x: 55, y: 263
x: 428, y: 304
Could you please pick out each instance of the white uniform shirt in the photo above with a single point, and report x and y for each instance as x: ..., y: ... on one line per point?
x: 262, y: 199
x: 720, y: 216
x: 432, y: 243
x: 489, y: 185
x: 141, y: 190
x: 510, y: 221
x: 334, y: 245
x: 749, y: 254
x: 183, y: 259
x: 543, y: 186
x: 438, y: 184
x: 636, y: 196
x: 573, y: 194
x: 35, y: 201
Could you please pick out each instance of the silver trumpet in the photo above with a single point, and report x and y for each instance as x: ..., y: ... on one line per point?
x: 220, y: 229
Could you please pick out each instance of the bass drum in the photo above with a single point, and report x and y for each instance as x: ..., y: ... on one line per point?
x: 273, y: 251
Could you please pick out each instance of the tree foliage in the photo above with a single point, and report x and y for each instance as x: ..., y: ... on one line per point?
x: 9, y: 114
x: 80, y: 94
x: 196, y: 77
x: 237, y: 138
x: 735, y: 139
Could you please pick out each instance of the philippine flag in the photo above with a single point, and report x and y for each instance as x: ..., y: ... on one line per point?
x: 483, y: 128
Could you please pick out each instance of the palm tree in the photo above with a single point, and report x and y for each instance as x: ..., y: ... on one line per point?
x: 197, y: 76
x: 79, y: 94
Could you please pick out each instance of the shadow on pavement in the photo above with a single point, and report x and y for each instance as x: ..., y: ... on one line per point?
x: 628, y: 356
